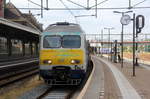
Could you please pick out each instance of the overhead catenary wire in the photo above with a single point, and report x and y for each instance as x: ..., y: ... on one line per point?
x: 38, y: 4
x: 46, y: 8
x: 139, y: 3
x: 81, y: 7
x: 34, y: 3
x: 88, y: 8
x: 107, y: 8
x: 68, y: 9
x: 98, y: 4
x: 77, y: 4
x: 91, y: 8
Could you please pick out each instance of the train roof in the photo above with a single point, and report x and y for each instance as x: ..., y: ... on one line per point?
x: 63, y: 27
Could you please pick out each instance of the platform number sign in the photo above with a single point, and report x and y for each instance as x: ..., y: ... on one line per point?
x: 140, y: 22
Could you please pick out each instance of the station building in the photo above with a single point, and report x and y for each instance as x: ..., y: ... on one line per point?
x: 19, y: 33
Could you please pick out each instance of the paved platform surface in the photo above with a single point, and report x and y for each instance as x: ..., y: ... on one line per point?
x: 141, y: 81
x: 102, y: 83
x: 97, y: 83
x: 127, y: 91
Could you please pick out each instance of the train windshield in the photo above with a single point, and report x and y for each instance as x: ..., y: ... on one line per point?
x: 71, y: 41
x: 52, y: 42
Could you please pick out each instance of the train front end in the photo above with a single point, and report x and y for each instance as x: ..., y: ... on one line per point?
x: 62, y: 58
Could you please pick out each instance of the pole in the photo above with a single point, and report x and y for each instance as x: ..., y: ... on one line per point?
x: 136, y: 48
x: 115, y: 52
x: 47, y: 4
x: 122, y: 43
x: 108, y: 41
x: 102, y: 42
x: 96, y: 8
x: 134, y: 44
x: 95, y: 45
x: 99, y: 44
x: 87, y: 3
x: 122, y: 34
x: 129, y: 4
x: 111, y: 51
x: 41, y: 8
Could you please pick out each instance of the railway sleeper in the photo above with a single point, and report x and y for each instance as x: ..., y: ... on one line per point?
x: 13, y: 73
x: 68, y: 82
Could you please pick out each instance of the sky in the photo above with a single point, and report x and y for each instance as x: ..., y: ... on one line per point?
x: 90, y: 24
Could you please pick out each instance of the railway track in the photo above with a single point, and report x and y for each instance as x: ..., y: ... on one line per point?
x: 55, y: 93
x: 18, y: 77
x: 17, y: 72
x: 65, y: 92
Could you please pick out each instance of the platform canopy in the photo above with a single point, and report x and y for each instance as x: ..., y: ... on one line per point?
x: 19, y: 26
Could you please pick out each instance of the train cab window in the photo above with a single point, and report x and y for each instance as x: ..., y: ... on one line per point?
x: 52, y: 42
x: 71, y: 41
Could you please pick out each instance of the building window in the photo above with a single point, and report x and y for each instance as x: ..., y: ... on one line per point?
x: 3, y: 46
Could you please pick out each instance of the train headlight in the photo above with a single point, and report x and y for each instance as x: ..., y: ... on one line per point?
x: 47, y: 61
x: 74, y: 61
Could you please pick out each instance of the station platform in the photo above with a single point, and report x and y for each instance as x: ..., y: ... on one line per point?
x: 110, y: 81
x: 100, y: 83
x: 140, y: 81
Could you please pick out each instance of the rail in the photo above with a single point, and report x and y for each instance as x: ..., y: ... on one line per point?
x: 17, y: 72
x: 54, y: 93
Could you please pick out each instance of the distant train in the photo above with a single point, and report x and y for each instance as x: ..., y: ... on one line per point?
x: 64, y: 56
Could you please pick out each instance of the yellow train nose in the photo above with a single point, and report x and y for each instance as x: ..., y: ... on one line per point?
x: 62, y: 57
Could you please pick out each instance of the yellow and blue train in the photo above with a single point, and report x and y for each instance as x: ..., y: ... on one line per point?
x: 64, y: 56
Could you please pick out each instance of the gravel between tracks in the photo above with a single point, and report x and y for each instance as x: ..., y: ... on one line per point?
x: 16, y: 89
x: 34, y: 93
